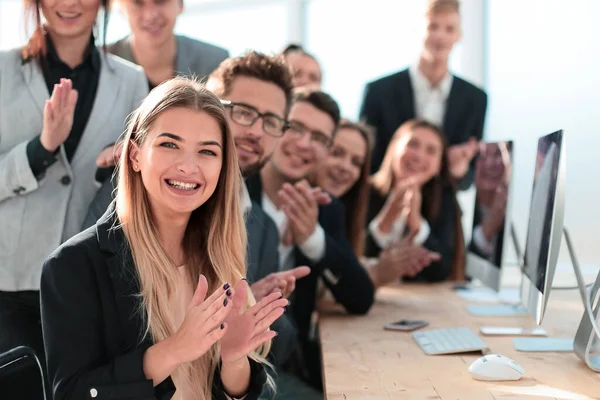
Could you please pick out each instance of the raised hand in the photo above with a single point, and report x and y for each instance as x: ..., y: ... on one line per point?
x: 460, y: 156
x: 412, y: 205
x: 203, y: 324
x: 322, y: 198
x: 301, y: 208
x: 247, y: 330
x: 401, y: 258
x: 283, y: 282
x: 110, y: 155
x: 398, y: 202
x: 58, y: 115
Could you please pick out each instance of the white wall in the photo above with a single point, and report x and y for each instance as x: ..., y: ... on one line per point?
x: 543, y: 75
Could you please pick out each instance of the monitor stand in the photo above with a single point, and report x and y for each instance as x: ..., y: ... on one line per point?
x: 512, y: 308
x: 586, y: 339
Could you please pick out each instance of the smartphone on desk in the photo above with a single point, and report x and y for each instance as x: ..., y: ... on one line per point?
x: 406, y: 325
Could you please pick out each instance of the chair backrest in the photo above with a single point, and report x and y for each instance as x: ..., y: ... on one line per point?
x: 21, y: 375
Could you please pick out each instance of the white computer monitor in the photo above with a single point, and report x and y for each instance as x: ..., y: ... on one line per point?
x: 491, y: 221
x: 545, y: 228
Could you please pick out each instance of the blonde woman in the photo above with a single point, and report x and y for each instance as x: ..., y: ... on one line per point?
x: 125, y: 310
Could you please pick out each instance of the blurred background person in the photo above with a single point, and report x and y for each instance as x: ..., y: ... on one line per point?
x: 154, y: 45
x: 428, y: 90
x: 492, y: 175
x: 414, y: 194
x: 306, y: 71
x: 345, y: 174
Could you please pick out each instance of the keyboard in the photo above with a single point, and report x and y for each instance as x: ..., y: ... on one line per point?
x: 449, y: 341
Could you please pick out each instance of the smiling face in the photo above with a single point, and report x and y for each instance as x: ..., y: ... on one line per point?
x: 180, y: 160
x: 490, y: 168
x: 417, y: 153
x: 152, y: 21
x: 255, y: 147
x: 68, y: 19
x: 305, y: 69
x: 301, y: 150
x: 443, y: 32
x: 341, y: 169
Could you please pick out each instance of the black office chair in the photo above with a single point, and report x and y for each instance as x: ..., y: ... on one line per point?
x: 21, y: 375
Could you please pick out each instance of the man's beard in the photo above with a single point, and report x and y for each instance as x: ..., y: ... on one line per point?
x: 254, y: 168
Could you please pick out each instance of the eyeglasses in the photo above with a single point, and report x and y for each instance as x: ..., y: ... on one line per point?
x: 246, y: 115
x: 317, y: 138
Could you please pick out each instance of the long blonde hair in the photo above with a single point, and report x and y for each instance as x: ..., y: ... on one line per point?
x: 215, y: 238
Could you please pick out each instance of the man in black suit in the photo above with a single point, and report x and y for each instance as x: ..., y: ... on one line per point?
x: 310, y: 234
x: 429, y: 91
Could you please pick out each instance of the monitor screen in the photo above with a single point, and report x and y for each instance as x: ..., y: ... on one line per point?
x: 493, y: 168
x: 541, y: 216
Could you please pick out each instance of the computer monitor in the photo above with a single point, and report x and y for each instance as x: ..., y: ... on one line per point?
x: 491, y: 227
x: 545, y: 227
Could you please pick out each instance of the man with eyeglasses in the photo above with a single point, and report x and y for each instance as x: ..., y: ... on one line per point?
x: 256, y: 91
x: 311, y: 234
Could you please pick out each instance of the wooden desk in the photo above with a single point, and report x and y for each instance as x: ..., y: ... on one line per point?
x: 363, y: 361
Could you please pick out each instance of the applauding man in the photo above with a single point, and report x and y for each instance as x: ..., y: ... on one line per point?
x: 311, y: 234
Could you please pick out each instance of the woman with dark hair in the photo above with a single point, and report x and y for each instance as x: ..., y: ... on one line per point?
x: 48, y: 146
x: 345, y: 175
x: 413, y: 193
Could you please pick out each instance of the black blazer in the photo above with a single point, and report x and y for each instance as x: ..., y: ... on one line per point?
x: 441, y: 238
x: 389, y: 102
x: 263, y: 259
x: 93, y: 330
x: 353, y: 289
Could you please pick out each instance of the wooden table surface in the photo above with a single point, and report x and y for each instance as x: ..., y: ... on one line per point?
x: 363, y: 361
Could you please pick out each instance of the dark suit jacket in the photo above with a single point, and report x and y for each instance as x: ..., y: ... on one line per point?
x: 263, y: 259
x: 389, y: 102
x: 440, y: 240
x: 93, y: 329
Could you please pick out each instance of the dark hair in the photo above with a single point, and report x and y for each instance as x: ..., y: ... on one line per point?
x: 356, y: 199
x: 431, y: 192
x: 321, y: 101
x: 292, y: 48
x: 272, y: 69
x: 36, y: 46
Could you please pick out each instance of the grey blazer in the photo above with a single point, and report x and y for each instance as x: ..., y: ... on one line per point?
x: 263, y: 259
x: 193, y: 56
x: 36, y: 216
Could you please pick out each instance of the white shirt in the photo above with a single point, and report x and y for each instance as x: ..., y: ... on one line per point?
x: 430, y: 102
x: 383, y: 240
x: 245, y: 201
x: 313, y: 248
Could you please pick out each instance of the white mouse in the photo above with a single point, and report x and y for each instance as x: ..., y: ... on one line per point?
x: 494, y: 367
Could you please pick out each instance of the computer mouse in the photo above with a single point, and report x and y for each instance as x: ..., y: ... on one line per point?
x: 495, y: 367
